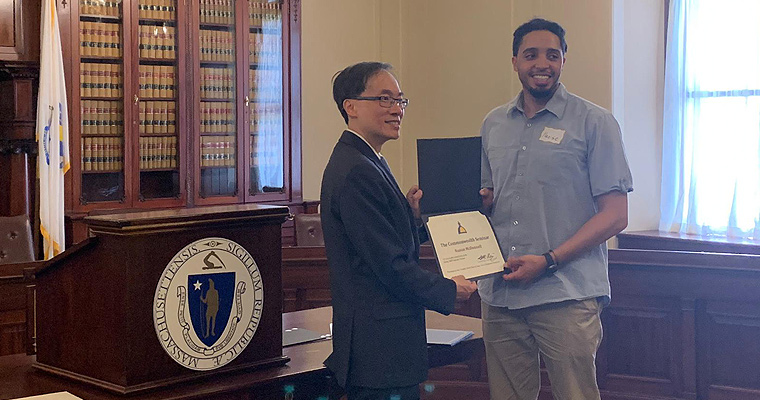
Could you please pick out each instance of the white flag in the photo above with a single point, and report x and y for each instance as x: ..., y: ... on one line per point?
x: 52, y: 132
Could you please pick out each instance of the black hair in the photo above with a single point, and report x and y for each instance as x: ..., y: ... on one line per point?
x: 538, y: 24
x: 352, y: 81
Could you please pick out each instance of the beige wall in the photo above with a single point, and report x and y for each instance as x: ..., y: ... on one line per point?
x: 453, y: 60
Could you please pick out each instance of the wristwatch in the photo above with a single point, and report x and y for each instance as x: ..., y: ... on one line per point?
x: 551, y: 263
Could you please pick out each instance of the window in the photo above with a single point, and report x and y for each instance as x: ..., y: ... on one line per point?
x: 711, y: 131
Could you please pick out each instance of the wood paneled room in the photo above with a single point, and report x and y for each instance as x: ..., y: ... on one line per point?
x: 205, y: 126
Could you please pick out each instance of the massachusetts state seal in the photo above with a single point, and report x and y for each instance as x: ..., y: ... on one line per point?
x: 208, y: 303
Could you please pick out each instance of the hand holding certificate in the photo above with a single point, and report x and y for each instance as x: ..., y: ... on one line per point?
x: 449, y: 174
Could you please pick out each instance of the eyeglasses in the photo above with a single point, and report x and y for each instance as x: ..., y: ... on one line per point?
x: 386, y: 101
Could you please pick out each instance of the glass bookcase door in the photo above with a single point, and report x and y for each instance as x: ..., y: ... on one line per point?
x: 101, y: 93
x: 218, y: 119
x: 265, y: 89
x: 159, y: 158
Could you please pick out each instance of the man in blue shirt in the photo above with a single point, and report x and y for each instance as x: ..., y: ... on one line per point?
x: 555, y: 177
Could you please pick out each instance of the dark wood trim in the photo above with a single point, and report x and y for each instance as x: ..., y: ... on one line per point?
x: 657, y: 240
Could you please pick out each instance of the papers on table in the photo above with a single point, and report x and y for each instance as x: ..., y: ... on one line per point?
x: 299, y: 335
x: 52, y: 396
x: 447, y: 336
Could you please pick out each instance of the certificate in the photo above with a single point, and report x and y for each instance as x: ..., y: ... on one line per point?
x: 465, y: 244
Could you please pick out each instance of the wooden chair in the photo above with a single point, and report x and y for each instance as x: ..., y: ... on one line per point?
x: 17, y: 266
x: 309, y: 230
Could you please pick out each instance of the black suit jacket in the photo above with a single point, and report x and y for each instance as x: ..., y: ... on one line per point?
x: 379, y: 291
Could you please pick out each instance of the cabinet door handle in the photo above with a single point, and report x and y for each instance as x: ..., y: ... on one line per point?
x: 137, y: 99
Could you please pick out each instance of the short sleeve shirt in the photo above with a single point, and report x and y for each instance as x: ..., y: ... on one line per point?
x: 546, y: 172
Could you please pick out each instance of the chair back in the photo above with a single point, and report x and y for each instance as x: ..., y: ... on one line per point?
x: 309, y: 230
x: 16, y: 243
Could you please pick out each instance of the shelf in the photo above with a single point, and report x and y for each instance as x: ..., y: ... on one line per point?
x: 158, y: 22
x: 216, y: 27
x: 104, y: 172
x: 158, y: 61
x: 99, y: 18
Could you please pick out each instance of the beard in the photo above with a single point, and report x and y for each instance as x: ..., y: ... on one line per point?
x: 543, y: 94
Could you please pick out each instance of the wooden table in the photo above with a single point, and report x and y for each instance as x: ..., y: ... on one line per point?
x: 304, y: 376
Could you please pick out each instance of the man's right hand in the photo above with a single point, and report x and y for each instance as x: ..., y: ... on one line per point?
x: 465, y: 287
x: 486, y: 195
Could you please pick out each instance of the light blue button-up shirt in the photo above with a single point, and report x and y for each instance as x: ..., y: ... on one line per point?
x: 545, y: 172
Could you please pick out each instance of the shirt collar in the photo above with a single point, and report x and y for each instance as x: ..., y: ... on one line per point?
x: 379, y: 156
x: 556, y: 104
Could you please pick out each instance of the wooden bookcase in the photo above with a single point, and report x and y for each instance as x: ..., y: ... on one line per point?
x: 181, y: 104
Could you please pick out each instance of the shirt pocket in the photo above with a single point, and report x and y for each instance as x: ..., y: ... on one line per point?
x: 553, y: 164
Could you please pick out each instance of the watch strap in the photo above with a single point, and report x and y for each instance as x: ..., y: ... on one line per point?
x: 551, y: 264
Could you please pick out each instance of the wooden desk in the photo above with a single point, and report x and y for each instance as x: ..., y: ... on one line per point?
x: 305, y: 374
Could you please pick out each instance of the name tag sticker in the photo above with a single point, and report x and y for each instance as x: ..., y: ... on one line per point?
x: 551, y: 135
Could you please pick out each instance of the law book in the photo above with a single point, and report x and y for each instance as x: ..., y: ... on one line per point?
x: 99, y: 129
x: 141, y: 127
x: 171, y: 76
x: 86, y: 116
x: 106, y: 39
x: 171, y: 117
x: 141, y: 79
x: 142, y: 50
x: 162, y: 81
x: 83, y: 42
x: 165, y: 153
x: 204, y: 151
x: 97, y: 151
x: 112, y: 79
x: 230, y: 146
x: 164, y: 116
x: 117, y: 74
x: 169, y: 42
x: 149, y: 116
x: 173, y: 152
x: 84, y: 80
x: 120, y: 153
x: 221, y: 151
x: 110, y: 153
x: 141, y: 152
x: 87, y: 153
x: 113, y: 117
x: 146, y: 156
x: 148, y: 74
x: 152, y: 38
x: 98, y: 80
x: 223, y: 83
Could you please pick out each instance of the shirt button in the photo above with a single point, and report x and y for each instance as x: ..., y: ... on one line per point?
x: 517, y: 197
x: 525, y: 147
x: 514, y: 248
x: 520, y: 174
x: 529, y: 125
x: 515, y: 223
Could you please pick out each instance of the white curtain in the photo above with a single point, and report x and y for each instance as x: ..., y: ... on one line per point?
x: 711, y: 121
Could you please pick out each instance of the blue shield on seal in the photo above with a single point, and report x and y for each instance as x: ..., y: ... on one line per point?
x: 210, y: 301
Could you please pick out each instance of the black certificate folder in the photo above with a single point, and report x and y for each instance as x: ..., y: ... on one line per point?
x: 449, y: 174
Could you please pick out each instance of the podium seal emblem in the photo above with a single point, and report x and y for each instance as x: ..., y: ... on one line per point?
x: 208, y: 303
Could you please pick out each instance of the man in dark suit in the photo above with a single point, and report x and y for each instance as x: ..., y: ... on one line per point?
x: 379, y: 291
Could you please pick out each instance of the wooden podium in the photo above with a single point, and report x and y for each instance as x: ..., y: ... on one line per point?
x: 95, y: 302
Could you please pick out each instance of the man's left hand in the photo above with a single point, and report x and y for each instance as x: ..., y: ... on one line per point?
x: 413, y: 196
x: 525, y: 269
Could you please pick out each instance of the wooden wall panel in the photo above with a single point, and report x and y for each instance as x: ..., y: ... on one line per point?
x: 20, y: 30
x: 729, y: 331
